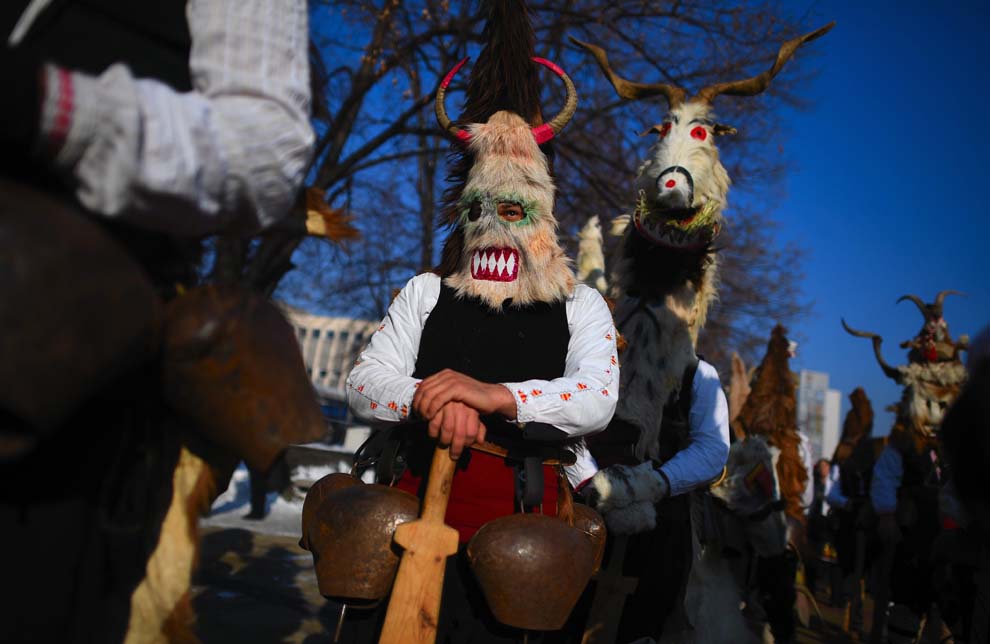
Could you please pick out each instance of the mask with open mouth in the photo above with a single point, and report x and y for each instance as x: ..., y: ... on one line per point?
x: 510, y: 249
x: 682, y: 185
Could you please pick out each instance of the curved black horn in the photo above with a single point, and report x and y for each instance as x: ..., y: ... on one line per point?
x: 917, y: 302
x: 941, y: 298
x: 889, y: 371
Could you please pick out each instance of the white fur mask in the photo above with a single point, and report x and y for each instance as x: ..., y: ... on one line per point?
x: 510, y: 251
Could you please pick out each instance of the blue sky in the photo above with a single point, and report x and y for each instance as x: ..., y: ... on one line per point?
x: 886, y: 187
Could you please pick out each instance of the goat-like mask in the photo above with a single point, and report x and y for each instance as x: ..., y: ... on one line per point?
x: 682, y: 186
x: 934, y: 374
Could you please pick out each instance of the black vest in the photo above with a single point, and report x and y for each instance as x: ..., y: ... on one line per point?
x: 517, y: 344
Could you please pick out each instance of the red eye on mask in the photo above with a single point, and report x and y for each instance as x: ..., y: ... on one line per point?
x: 699, y: 133
x: 664, y: 130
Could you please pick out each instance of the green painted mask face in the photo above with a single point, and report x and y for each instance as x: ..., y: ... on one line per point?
x: 480, y: 209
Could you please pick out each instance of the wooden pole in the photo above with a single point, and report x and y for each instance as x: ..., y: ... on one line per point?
x: 610, y: 597
x: 414, y: 608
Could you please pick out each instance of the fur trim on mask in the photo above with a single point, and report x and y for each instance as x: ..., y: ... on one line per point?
x: 631, y: 519
x: 741, y: 491
x: 619, y: 486
x: 509, y: 165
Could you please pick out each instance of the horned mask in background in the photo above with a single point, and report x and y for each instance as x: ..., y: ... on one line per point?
x: 682, y: 185
x: 934, y: 374
x: 504, y: 218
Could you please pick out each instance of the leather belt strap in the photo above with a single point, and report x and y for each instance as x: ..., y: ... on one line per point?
x: 498, y: 450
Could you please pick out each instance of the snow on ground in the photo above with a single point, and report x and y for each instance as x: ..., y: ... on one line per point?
x: 284, y: 516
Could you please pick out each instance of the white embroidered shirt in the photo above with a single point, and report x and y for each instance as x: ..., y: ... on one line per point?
x: 381, y: 386
x: 231, y: 152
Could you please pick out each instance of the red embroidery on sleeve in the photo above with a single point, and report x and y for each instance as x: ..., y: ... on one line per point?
x: 522, y: 395
x: 374, y: 405
x: 582, y: 386
x: 536, y: 392
x: 393, y: 406
x: 565, y: 396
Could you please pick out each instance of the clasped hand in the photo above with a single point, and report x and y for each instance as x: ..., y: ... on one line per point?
x: 453, y: 404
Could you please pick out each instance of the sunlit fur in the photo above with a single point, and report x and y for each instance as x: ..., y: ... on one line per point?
x: 699, y: 289
x: 679, y: 148
x: 160, y: 606
x: 929, y: 389
x: 591, y: 260
x: 509, y: 162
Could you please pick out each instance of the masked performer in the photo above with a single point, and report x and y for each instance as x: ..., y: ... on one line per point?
x: 670, y: 435
x: 132, y: 131
x: 908, y: 473
x: 498, y: 343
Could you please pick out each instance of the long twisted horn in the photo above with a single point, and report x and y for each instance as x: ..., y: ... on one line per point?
x: 941, y: 298
x: 890, y: 372
x: 441, y: 110
x: 542, y: 133
x: 545, y: 132
x: 628, y: 89
x: 917, y: 302
x: 758, y: 84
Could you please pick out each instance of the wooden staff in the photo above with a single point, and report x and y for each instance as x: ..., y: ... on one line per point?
x: 611, y: 590
x: 414, y: 608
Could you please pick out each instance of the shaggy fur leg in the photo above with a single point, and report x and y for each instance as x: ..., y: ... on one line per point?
x: 164, y: 590
x: 632, y: 519
x: 621, y: 485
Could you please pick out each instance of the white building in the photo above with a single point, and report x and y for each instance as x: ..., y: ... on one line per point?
x: 818, y: 413
x: 329, y: 346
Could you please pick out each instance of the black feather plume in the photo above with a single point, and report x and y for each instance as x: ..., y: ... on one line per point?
x: 503, y: 78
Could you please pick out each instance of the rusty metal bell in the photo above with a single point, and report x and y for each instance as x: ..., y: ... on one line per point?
x: 78, y: 312
x: 350, y: 535
x: 532, y: 568
x: 315, y: 496
x: 592, y: 525
x: 232, y: 366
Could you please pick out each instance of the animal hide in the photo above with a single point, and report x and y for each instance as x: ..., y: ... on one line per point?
x: 771, y: 411
x: 160, y: 605
x: 857, y: 425
x: 591, y: 259
x: 659, y: 350
x: 510, y: 167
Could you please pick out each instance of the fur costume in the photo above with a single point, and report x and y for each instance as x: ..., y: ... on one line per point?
x: 932, y: 378
x: 907, y: 502
x: 521, y: 261
x: 857, y: 425
x: 771, y: 411
x: 664, y: 278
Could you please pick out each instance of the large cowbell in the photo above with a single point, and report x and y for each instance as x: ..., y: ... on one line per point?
x: 348, y: 527
x: 532, y: 568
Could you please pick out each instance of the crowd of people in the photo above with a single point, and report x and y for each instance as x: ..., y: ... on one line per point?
x: 130, y: 145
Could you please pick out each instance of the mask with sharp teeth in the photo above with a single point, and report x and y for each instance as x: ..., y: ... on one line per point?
x: 509, y: 251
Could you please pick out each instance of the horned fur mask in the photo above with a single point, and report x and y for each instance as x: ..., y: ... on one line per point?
x: 934, y: 374
x: 510, y: 252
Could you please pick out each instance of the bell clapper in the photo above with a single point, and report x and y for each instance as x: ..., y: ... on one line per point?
x: 340, y: 623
